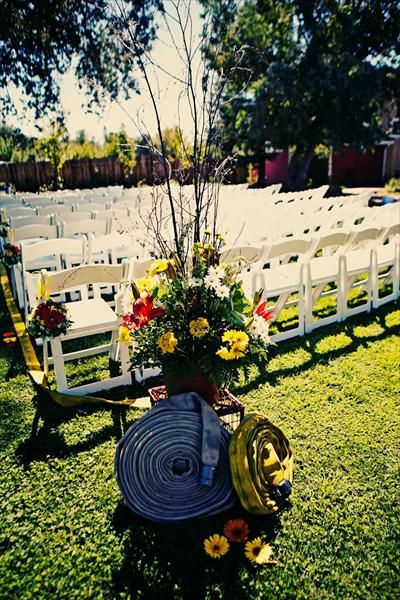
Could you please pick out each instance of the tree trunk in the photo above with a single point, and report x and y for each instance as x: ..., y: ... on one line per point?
x: 261, y: 182
x: 299, y: 166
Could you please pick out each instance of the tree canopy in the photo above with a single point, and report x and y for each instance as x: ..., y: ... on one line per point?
x: 321, y: 72
x: 39, y: 40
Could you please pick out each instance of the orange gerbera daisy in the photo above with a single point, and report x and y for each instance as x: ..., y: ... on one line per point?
x: 236, y: 530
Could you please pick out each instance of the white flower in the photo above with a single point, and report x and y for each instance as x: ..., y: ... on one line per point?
x: 222, y: 291
x: 195, y: 282
x: 213, y: 281
x: 259, y: 328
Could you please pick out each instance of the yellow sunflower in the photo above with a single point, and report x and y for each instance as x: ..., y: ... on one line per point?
x: 258, y: 552
x: 216, y: 545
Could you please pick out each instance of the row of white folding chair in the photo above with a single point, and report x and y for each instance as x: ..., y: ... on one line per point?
x: 345, y: 256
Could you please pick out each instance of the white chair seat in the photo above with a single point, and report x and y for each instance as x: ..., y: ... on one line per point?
x: 94, y: 313
x: 323, y: 268
x: 386, y: 254
x: 357, y: 260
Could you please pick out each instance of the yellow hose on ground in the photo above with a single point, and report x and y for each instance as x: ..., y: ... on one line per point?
x: 261, y: 463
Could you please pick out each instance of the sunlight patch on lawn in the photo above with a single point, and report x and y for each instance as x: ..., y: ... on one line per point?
x: 371, y: 330
x: 332, y: 342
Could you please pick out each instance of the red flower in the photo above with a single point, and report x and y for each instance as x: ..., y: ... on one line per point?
x: 143, y: 311
x: 236, y: 530
x: 265, y: 314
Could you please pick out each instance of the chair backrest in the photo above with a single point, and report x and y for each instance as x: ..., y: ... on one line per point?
x: 337, y: 241
x: 31, y: 220
x: 35, y: 231
x: 106, y: 242
x: 85, y: 275
x: 391, y: 232
x: 51, y: 247
x: 20, y: 211
x: 39, y: 202
x: 139, y: 268
x: 84, y: 227
x: 288, y: 249
x: 56, y: 209
x: 359, y: 237
x: 101, y: 207
x: 73, y: 217
x: 242, y: 255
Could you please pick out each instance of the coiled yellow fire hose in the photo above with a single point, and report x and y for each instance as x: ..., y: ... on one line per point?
x: 261, y: 463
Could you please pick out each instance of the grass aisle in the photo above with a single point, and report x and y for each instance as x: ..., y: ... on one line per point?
x: 64, y: 532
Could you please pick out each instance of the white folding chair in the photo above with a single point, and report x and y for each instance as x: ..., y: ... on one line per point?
x: 320, y: 273
x: 89, y: 316
x: 386, y: 266
x: 356, y: 269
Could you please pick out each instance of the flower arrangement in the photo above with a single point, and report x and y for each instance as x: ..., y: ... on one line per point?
x: 49, y: 319
x: 196, y: 319
x: 11, y: 254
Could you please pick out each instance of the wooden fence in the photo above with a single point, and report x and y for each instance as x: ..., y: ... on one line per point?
x: 90, y: 173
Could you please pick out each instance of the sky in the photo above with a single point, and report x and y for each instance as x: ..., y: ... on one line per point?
x: 136, y: 110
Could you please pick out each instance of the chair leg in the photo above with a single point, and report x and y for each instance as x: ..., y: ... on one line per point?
x: 59, y: 365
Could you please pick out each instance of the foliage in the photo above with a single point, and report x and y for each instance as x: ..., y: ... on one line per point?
x: 199, y: 319
x: 120, y: 146
x: 39, y: 40
x: 65, y: 533
x: 14, y: 145
x: 49, y: 319
x: 393, y: 185
x: 53, y: 148
x: 313, y: 73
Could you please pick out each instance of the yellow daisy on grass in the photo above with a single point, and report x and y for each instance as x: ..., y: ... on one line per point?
x: 199, y: 327
x: 167, y: 342
x: 216, y: 545
x: 258, y: 551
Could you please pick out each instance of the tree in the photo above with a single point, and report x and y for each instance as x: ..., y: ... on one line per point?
x: 320, y: 72
x: 39, y: 40
x: 175, y: 220
x: 53, y: 147
x: 14, y: 145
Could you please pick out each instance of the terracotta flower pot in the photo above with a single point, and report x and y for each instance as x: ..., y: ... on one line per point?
x: 195, y: 381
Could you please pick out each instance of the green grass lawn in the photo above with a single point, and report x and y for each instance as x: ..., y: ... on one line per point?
x: 65, y: 533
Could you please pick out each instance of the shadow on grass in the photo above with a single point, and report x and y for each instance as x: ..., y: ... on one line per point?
x: 310, y: 345
x: 46, y: 441
x: 167, y: 560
